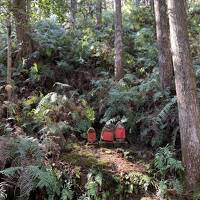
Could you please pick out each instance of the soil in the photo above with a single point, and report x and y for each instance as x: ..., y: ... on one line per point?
x: 115, y: 161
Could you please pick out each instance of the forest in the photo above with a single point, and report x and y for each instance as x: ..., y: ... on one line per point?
x: 99, y: 100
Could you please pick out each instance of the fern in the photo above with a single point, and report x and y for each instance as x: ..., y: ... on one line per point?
x: 25, y: 182
x: 93, y: 185
x: 165, y: 162
x: 45, y: 178
x: 162, y: 189
x: 25, y: 153
x: 161, y: 118
x: 28, y: 149
x: 92, y: 189
x: 196, y: 194
x: 67, y: 192
x: 99, y: 178
x: 118, y: 100
x: 158, y: 123
x: 137, y: 182
x: 20, y: 178
x: 3, y: 194
x: 32, y: 177
x: 178, y: 186
x: 59, y: 114
x: 165, y: 185
x: 151, y: 83
x: 47, y: 103
x: 10, y: 172
x: 8, y: 150
x: 169, y: 171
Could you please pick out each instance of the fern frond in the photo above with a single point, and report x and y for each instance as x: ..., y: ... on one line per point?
x: 25, y: 183
x: 9, y: 172
x: 161, y: 118
x: 29, y: 151
x: 3, y: 194
x: 67, y: 192
x: 45, y: 179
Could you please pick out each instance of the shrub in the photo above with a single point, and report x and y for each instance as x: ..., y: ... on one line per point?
x: 168, y: 171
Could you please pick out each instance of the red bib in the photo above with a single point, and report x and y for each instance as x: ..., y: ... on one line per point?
x: 120, y: 133
x: 91, y: 136
x: 107, y: 135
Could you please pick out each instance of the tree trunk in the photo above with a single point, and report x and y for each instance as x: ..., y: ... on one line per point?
x: 23, y: 29
x: 118, y: 41
x: 98, y: 14
x: 73, y: 12
x: 136, y: 2
x: 9, y: 60
x: 164, y: 49
x: 104, y: 5
x: 188, y: 105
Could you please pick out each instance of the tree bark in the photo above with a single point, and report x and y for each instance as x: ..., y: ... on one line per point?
x: 164, y: 49
x: 23, y: 29
x: 188, y: 105
x: 98, y: 14
x: 136, y: 2
x: 73, y: 12
x: 9, y: 60
x: 119, y: 72
x: 104, y: 5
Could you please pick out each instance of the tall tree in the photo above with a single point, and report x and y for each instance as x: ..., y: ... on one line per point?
x: 8, y: 88
x: 164, y: 49
x: 136, y: 2
x: 73, y: 12
x: 9, y: 59
x: 143, y: 2
x: 98, y: 14
x: 104, y: 4
x: 119, y: 72
x: 23, y: 29
x: 188, y: 105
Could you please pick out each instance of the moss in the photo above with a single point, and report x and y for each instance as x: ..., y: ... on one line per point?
x: 115, y: 182
x: 83, y: 157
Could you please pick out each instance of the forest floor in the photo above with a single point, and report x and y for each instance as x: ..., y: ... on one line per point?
x: 111, y: 160
x: 116, y: 160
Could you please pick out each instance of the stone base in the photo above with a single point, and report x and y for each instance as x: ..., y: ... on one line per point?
x: 92, y: 144
x: 106, y: 143
x: 119, y: 143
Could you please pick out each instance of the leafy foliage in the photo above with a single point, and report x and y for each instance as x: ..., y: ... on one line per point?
x: 169, y: 171
x: 3, y: 194
x: 61, y: 53
x: 29, y: 173
x: 67, y: 192
x: 93, y: 185
x: 136, y: 182
x: 60, y: 114
x: 165, y: 162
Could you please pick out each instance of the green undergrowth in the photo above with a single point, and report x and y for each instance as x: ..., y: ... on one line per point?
x: 101, y: 182
x: 67, y: 86
x: 85, y: 158
x: 81, y: 173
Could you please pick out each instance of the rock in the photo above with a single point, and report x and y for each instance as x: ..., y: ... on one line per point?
x: 62, y: 88
x: 108, y: 152
x: 120, y: 150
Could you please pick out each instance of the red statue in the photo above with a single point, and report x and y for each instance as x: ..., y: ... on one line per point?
x: 120, y: 132
x: 107, y: 134
x: 91, y: 136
